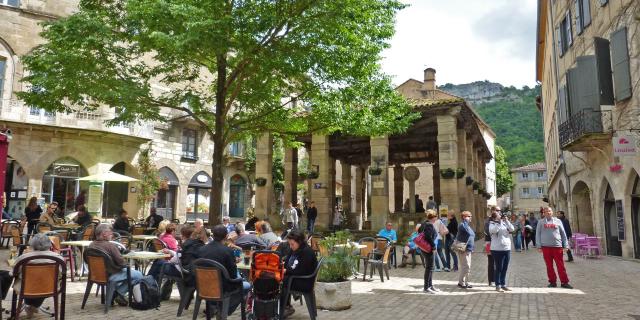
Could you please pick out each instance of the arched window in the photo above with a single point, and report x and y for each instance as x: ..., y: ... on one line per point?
x: 165, y: 200
x: 198, y: 196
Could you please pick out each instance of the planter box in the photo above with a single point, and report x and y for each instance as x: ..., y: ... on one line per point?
x: 333, y: 296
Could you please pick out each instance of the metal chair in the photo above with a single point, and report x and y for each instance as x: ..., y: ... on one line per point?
x: 367, y: 252
x: 381, y: 264
x: 43, y: 227
x: 18, y: 239
x: 88, y: 233
x: 99, y: 262
x: 309, y: 297
x: 314, y: 240
x: 42, y: 279
x: 210, y: 277
x: 5, y: 231
x: 66, y: 253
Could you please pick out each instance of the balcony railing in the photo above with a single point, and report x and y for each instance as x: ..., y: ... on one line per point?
x: 16, y: 110
x: 586, y: 123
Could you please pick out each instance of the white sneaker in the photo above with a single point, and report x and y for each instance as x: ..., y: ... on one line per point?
x: 429, y: 291
x: 434, y: 289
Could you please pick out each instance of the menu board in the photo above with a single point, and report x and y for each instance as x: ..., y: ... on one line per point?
x: 94, y: 201
x: 620, y: 220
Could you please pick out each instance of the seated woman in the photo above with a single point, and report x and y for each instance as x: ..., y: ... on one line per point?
x: 121, y: 225
x: 40, y: 245
x: 301, y: 261
x: 410, y: 248
x: 168, y: 238
x: 267, y: 235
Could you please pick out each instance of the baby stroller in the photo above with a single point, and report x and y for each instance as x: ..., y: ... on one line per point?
x: 267, y: 273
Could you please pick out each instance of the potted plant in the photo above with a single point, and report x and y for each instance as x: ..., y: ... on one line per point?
x: 261, y: 182
x: 469, y: 180
x: 476, y: 185
x: 313, y: 175
x: 375, y: 171
x: 333, y: 287
x: 460, y: 173
x: 447, y: 173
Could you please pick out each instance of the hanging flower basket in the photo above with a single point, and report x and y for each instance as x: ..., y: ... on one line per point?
x: 375, y: 171
x: 261, y: 182
x: 476, y: 185
x: 447, y: 173
x: 615, y: 168
x: 460, y: 173
x: 312, y: 175
x: 469, y: 180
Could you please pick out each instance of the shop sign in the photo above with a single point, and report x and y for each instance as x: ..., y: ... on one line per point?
x: 624, y: 145
x: 61, y: 170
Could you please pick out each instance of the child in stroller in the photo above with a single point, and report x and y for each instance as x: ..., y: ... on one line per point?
x: 267, y: 273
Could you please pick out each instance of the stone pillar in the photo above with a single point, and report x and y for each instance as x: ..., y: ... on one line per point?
x: 346, y: 193
x: 309, y: 181
x: 436, y: 185
x: 290, y: 176
x: 358, y: 211
x: 462, y: 163
x: 412, y: 174
x: 264, y: 164
x: 398, y: 187
x: 380, y: 183
x: 469, y: 198
x: 321, y: 192
x: 448, y: 157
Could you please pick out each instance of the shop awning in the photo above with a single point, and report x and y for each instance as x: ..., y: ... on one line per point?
x: 108, y: 177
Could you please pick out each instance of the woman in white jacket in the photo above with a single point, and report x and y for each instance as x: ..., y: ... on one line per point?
x: 500, y: 230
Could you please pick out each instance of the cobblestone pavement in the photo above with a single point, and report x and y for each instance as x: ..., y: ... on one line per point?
x: 605, y: 288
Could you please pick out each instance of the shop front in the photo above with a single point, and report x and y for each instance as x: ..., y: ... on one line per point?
x: 60, y: 183
x: 165, y: 199
x: 16, y: 183
x: 199, y: 196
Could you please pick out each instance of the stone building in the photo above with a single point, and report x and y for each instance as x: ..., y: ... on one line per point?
x: 587, y: 61
x: 49, y: 151
x: 529, y: 189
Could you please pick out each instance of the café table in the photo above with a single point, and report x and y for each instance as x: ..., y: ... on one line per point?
x: 145, y: 238
x: 144, y: 257
x: 80, y: 244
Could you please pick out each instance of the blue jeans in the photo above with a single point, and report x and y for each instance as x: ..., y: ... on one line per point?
x: 311, y: 225
x: 440, y: 255
x: 501, y: 264
x: 121, y: 277
x: 448, y: 253
x: 517, y: 241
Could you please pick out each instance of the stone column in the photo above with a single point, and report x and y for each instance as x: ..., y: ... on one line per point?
x: 264, y: 163
x: 448, y: 157
x: 309, y: 181
x: 398, y: 187
x: 290, y: 175
x: 436, y: 185
x: 469, y: 198
x: 412, y: 174
x: 462, y: 163
x: 321, y: 187
x: 346, y: 192
x: 358, y: 211
x: 380, y: 183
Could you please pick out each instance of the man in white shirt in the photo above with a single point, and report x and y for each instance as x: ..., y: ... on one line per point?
x: 291, y: 216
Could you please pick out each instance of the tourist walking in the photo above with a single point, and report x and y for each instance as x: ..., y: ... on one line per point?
x: 500, y: 229
x: 431, y: 204
x: 449, y: 255
x: 517, y: 232
x: 551, y: 241
x: 291, y: 216
x: 465, y: 235
x: 533, y: 222
x: 442, y: 232
x: 567, y: 231
x: 430, y: 234
x: 526, y: 231
x: 312, y: 214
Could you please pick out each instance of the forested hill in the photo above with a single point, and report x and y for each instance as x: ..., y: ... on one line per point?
x: 512, y: 115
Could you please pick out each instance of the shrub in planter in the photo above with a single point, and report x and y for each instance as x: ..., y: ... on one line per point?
x: 460, y: 173
x: 476, y: 185
x: 469, y: 181
x: 375, y: 171
x: 313, y: 175
x: 333, y: 288
x: 447, y: 173
x: 261, y: 182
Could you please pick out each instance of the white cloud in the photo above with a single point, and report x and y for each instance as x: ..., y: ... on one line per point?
x: 465, y: 41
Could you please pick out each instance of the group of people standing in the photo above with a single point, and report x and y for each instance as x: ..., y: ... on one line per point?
x: 549, y: 235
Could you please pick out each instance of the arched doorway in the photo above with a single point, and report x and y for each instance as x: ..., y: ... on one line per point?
x: 635, y: 215
x: 60, y: 184
x: 581, y: 199
x: 614, y: 247
x: 115, y: 193
x: 165, y: 200
x: 16, y: 183
x: 198, y: 196
x: 237, y: 196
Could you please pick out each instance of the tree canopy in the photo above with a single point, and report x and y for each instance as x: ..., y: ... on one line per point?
x: 504, y: 180
x: 238, y: 68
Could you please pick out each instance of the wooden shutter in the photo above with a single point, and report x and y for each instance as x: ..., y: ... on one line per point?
x: 2, y: 70
x: 620, y: 62
x: 576, y: 5
x: 563, y: 114
x: 585, y: 14
x: 588, y: 83
x: 559, y: 45
x: 568, y: 31
x: 573, y: 95
x: 603, y: 61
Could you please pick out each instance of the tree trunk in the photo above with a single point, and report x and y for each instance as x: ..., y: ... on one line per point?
x: 215, y: 204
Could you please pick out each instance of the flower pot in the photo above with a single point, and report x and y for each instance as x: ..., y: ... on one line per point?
x: 312, y: 175
x: 460, y: 172
x: 333, y: 296
x: 447, y: 173
x: 375, y: 171
x: 261, y: 182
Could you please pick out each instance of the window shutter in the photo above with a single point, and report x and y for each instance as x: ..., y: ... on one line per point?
x: 573, y: 95
x: 2, y: 67
x: 585, y: 13
x: 14, y: 3
x: 620, y: 62
x: 588, y: 82
x: 559, y: 41
x: 577, y: 10
x: 603, y: 61
x: 603, y: 2
x: 562, y: 105
x: 568, y: 29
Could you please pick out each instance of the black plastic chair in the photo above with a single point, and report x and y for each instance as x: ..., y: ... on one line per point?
x: 309, y: 297
x: 210, y: 277
x: 99, y: 262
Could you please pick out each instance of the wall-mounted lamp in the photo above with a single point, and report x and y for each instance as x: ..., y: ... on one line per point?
x: 133, y: 190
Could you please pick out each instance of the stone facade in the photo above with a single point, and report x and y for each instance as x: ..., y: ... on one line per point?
x: 40, y: 138
x: 597, y: 189
x: 530, y: 186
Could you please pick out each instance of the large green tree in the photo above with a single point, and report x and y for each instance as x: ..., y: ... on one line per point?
x: 238, y: 68
x: 504, y: 180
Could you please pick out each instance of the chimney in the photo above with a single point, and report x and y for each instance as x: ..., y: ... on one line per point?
x: 429, y: 79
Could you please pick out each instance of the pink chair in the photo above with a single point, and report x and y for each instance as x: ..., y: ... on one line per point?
x: 592, y: 248
x: 579, y: 243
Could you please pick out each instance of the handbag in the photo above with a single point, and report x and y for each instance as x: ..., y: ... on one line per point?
x: 459, y: 246
x: 422, y: 243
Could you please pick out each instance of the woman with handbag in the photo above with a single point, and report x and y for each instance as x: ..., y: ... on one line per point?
x: 463, y: 245
x: 426, y: 241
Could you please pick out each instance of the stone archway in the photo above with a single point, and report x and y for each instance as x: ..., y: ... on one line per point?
x: 635, y: 212
x: 581, y: 201
x: 614, y: 247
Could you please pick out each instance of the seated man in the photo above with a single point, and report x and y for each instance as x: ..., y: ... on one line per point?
x: 246, y: 240
x: 153, y: 220
x: 217, y: 251
x: 121, y: 225
x: 410, y: 248
x: 83, y: 218
x: 226, y: 223
x: 49, y: 215
x: 104, y: 234
x: 388, y: 232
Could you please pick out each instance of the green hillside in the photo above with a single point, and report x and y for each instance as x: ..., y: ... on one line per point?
x: 514, y: 118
